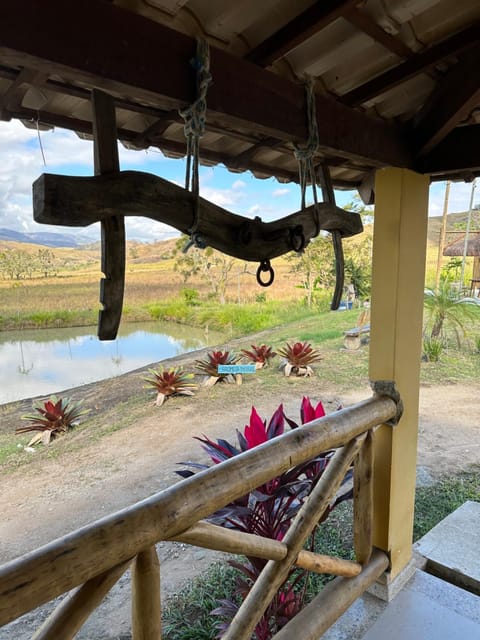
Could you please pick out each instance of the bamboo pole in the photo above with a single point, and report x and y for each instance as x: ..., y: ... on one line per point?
x: 275, y: 573
x: 40, y: 576
x: 363, y: 501
x: 210, y: 536
x: 66, y: 620
x: 334, y: 599
x: 146, y: 612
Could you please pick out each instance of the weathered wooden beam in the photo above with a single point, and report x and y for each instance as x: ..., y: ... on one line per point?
x: 451, y: 103
x: 298, y: 30
x: 79, y: 202
x: 106, y: 162
x: 417, y: 63
x: 40, y: 576
x: 53, y: 39
x: 210, y: 536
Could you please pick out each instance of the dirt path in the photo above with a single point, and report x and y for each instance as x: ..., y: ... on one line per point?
x: 54, y: 495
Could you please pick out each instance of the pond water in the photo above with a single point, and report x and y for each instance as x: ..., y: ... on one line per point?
x: 45, y: 361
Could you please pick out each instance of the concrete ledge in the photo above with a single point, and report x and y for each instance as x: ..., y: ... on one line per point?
x: 386, y: 589
x: 451, y: 548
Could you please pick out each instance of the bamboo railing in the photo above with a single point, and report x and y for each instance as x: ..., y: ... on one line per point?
x: 90, y: 560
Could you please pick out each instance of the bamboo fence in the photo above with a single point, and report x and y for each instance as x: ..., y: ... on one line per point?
x: 88, y: 562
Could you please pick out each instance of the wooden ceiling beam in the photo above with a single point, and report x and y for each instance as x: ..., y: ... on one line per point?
x: 458, y: 154
x: 418, y: 63
x: 451, y: 103
x: 298, y: 30
x: 365, y: 23
x: 132, y: 57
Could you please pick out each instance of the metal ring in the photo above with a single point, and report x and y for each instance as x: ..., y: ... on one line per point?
x: 265, y: 267
x: 297, y: 238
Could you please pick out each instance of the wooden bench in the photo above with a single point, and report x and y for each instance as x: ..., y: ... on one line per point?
x: 352, y: 338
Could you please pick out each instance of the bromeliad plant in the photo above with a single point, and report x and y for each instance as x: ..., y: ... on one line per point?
x: 268, y: 511
x: 170, y: 382
x: 298, y: 358
x: 260, y: 355
x: 54, y: 417
x: 209, y: 366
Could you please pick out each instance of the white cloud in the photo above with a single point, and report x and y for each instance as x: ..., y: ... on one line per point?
x: 254, y: 209
x: 238, y: 184
x: 459, y: 197
x: 280, y: 192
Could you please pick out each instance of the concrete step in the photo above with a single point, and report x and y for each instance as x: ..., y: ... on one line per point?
x: 451, y: 550
x: 427, y: 608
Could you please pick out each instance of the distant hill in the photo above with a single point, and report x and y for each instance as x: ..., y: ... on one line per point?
x: 45, y: 238
x: 435, y: 225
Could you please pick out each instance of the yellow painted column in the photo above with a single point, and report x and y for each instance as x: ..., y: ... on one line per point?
x: 399, y: 251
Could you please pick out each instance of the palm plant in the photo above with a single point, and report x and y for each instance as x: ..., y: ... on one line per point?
x: 260, y: 355
x: 446, y: 310
x: 209, y: 366
x: 53, y: 417
x: 298, y: 358
x: 170, y: 382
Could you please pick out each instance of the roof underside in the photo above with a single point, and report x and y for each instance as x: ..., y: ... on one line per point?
x: 397, y: 81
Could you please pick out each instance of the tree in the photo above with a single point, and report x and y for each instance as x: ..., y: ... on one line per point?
x: 210, y: 265
x: 16, y: 264
x: 46, y: 262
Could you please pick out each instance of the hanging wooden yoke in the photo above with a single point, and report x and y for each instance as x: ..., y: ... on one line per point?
x: 112, y: 194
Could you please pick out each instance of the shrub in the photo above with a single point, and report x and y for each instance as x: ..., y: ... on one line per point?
x: 268, y: 511
x: 299, y: 357
x: 432, y: 349
x: 259, y: 354
x: 171, y: 382
x: 54, y: 417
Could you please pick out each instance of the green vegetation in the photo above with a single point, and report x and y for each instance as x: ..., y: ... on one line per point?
x: 187, y: 615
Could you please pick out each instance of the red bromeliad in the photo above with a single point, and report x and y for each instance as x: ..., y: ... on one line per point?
x: 268, y: 511
x: 54, y: 417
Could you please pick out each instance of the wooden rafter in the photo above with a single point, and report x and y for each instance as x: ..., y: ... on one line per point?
x: 54, y: 40
x: 365, y: 23
x: 451, y: 103
x: 416, y: 64
x: 457, y: 154
x: 298, y: 30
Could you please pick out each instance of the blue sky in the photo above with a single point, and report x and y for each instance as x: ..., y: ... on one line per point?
x: 21, y: 162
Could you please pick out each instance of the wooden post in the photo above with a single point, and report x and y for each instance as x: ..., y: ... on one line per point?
x: 146, y: 612
x: 363, y: 501
x: 399, y: 250
x: 66, y: 620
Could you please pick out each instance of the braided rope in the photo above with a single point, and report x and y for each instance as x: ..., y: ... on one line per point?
x: 195, y: 116
x: 305, y: 155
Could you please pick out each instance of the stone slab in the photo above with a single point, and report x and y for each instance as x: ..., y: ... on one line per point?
x: 451, y: 548
x: 415, y: 615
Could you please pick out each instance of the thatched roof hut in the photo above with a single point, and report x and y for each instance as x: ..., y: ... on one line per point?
x: 456, y: 248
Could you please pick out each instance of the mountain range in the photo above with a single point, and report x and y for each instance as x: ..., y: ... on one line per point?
x: 45, y: 238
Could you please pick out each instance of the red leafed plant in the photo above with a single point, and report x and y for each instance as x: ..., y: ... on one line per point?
x: 268, y: 511
x: 54, y: 417
x: 170, y: 382
x: 209, y: 366
x: 260, y: 355
x: 299, y: 356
